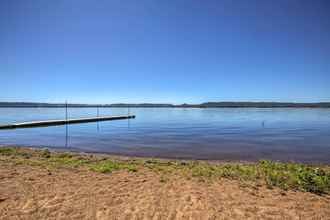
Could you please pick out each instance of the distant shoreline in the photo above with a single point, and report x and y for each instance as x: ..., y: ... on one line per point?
x: 152, y: 105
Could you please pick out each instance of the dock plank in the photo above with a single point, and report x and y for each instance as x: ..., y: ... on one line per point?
x: 63, y: 122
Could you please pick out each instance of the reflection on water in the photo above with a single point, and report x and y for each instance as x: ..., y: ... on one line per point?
x: 226, y: 134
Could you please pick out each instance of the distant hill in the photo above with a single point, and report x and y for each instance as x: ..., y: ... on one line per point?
x: 36, y: 105
x: 153, y: 105
x: 266, y: 105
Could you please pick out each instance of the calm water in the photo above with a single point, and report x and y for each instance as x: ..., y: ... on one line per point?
x: 301, y: 135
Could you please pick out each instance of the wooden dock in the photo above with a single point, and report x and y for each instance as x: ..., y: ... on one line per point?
x: 34, y: 124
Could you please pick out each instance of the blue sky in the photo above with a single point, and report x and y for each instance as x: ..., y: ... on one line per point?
x: 164, y: 51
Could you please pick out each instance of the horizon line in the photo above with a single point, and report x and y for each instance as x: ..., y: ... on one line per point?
x: 162, y: 103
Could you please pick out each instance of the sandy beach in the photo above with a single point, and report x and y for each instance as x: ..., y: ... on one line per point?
x: 35, y: 190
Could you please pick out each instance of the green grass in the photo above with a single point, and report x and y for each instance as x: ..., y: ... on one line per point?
x: 7, y: 151
x: 287, y: 176
x: 295, y: 176
x: 70, y: 162
x: 42, y: 157
x: 275, y: 174
x: 109, y: 166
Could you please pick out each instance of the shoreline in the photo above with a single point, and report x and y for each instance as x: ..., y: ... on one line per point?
x: 168, y: 158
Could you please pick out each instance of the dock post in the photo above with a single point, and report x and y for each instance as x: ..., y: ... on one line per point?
x: 128, y: 113
x: 66, y: 125
x: 98, y: 115
x: 66, y: 110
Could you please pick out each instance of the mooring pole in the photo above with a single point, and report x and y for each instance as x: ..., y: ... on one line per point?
x: 66, y: 110
x: 66, y: 125
x: 128, y: 121
x: 98, y: 114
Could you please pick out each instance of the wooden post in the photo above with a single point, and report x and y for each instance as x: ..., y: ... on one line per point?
x: 66, y: 110
x: 66, y: 125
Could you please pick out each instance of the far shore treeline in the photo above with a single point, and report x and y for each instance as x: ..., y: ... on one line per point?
x: 153, y: 105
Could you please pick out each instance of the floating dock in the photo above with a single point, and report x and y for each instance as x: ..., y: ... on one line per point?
x: 34, y: 124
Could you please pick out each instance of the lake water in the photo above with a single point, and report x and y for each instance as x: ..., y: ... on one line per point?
x: 240, y: 134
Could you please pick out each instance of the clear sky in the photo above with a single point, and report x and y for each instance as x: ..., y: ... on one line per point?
x: 173, y: 51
